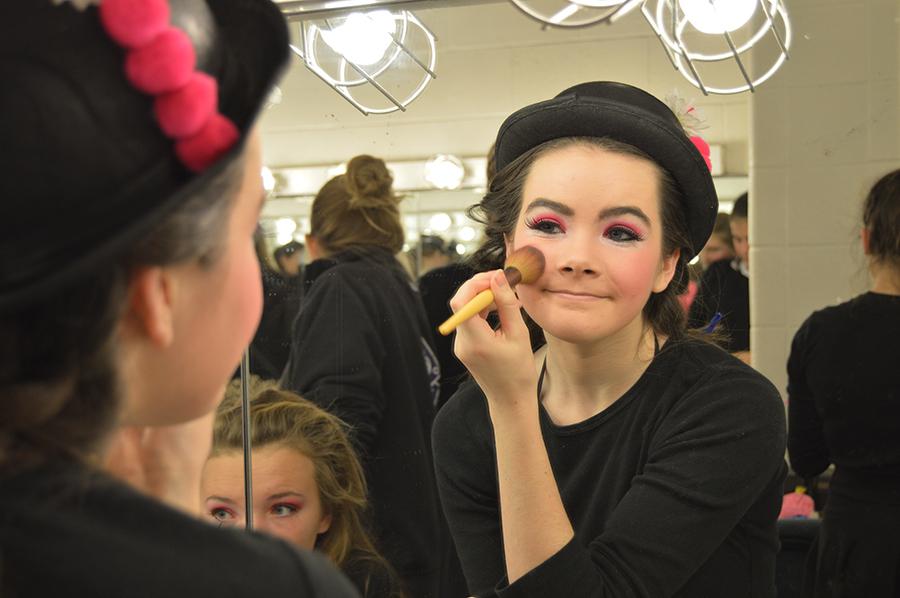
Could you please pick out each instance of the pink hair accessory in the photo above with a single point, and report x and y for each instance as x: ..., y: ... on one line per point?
x: 161, y: 62
x: 703, y: 148
x: 202, y: 149
x: 163, y: 65
x: 134, y: 23
x: 183, y: 112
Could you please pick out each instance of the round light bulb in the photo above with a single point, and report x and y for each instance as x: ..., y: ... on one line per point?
x: 445, y: 172
x: 440, y: 222
x: 718, y: 16
x: 362, y: 38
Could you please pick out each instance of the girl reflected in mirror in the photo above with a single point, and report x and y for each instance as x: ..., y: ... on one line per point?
x: 843, y: 411
x: 626, y: 456
x: 308, y: 485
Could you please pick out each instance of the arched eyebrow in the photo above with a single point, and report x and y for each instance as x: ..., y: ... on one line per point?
x: 221, y: 499
x: 561, y: 208
x: 281, y: 495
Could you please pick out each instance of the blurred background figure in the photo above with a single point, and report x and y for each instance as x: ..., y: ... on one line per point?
x: 271, y: 343
x: 308, y: 485
x: 362, y: 349
x: 432, y: 252
x: 719, y: 246
x: 723, y: 297
x: 844, y: 409
x: 289, y: 258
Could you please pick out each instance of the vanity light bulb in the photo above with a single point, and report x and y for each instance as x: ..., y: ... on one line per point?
x: 718, y: 16
x: 268, y: 179
x: 445, y: 171
x: 440, y: 222
x: 362, y: 38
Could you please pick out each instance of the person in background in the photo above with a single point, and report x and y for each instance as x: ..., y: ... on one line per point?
x: 289, y: 258
x: 271, y: 344
x: 723, y: 299
x: 122, y: 325
x: 719, y: 246
x: 431, y: 252
x: 624, y: 457
x: 308, y: 485
x: 362, y: 349
x: 843, y: 409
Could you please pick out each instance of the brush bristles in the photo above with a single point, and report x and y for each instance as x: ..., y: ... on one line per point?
x: 529, y: 261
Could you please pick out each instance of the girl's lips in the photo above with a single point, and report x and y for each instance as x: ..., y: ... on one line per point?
x: 573, y: 295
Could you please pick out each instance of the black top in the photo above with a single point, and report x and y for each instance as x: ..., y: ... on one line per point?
x: 361, y: 349
x: 68, y: 531
x: 271, y: 344
x: 674, y: 490
x: 843, y: 384
x: 725, y: 290
x: 437, y: 287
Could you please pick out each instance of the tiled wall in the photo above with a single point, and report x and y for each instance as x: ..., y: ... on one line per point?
x: 822, y: 131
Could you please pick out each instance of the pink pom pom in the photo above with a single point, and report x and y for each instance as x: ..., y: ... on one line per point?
x: 210, y: 143
x: 133, y: 23
x: 163, y: 65
x: 183, y: 112
x: 703, y: 148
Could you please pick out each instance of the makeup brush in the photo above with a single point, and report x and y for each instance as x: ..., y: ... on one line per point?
x: 525, y: 264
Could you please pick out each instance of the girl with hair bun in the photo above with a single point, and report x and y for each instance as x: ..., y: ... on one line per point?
x: 362, y: 349
x: 309, y: 487
x: 843, y: 409
x: 624, y: 457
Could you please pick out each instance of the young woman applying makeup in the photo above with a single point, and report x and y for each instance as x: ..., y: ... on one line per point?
x: 625, y: 457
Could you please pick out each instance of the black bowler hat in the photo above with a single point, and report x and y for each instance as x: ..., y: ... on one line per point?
x: 626, y: 114
x: 85, y: 169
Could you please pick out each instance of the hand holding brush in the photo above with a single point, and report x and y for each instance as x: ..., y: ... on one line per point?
x: 525, y: 264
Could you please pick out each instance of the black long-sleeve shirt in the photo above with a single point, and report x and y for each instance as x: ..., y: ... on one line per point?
x: 66, y: 530
x: 674, y: 490
x: 844, y: 395
x: 361, y: 348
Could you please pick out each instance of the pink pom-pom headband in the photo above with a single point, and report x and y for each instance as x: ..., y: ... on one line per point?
x: 161, y: 62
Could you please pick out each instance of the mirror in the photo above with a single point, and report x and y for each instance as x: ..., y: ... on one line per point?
x: 821, y: 131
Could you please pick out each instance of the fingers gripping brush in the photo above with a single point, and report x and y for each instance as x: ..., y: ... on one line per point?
x: 525, y: 264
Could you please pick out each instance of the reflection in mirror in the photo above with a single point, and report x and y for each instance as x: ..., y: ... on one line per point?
x: 486, y: 70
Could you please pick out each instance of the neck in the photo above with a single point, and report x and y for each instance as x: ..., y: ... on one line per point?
x: 885, y: 278
x: 584, y: 379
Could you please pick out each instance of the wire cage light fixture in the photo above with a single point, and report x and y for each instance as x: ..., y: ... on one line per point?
x: 362, y: 50
x: 573, y: 14
x: 696, y: 33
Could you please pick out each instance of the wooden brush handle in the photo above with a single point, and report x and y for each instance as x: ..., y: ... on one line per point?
x: 479, y: 302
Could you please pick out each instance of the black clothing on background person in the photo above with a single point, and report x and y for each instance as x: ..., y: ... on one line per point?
x: 361, y: 349
x: 66, y: 530
x: 437, y: 287
x: 843, y: 384
x: 724, y: 289
x: 674, y: 490
x: 271, y: 345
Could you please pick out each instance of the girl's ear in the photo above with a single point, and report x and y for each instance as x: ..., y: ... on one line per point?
x: 666, y: 271
x: 312, y: 246
x: 324, y: 523
x: 149, y: 311
x: 866, y: 236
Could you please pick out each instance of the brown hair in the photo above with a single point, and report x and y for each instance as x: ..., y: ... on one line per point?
x: 60, y: 391
x: 881, y: 215
x: 722, y: 228
x: 280, y: 417
x: 358, y: 208
x: 500, y: 208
